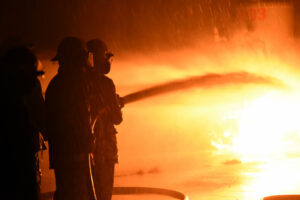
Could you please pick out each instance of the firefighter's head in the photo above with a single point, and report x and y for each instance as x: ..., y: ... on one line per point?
x: 101, y: 56
x: 19, y: 70
x: 71, y: 53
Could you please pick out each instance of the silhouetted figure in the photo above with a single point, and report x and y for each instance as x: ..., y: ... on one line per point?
x: 18, y: 78
x: 11, y: 42
x: 106, y: 113
x: 34, y: 103
x: 68, y: 122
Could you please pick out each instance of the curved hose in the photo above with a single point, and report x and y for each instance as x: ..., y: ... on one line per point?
x: 148, y: 190
x: 134, y: 191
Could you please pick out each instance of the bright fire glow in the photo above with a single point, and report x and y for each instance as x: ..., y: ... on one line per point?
x: 279, y: 177
x: 267, y: 131
x: 267, y: 127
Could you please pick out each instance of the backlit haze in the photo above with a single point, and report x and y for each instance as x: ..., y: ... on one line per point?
x: 218, y: 141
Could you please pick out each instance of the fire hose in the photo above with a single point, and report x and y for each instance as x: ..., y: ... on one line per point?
x: 148, y: 190
x: 136, y: 191
x: 204, y: 81
x: 208, y: 80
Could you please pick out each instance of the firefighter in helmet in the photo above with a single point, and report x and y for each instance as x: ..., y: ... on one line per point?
x: 106, y: 112
x: 68, y: 122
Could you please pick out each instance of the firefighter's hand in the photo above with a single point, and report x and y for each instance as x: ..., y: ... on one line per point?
x: 103, y: 110
x: 120, y: 101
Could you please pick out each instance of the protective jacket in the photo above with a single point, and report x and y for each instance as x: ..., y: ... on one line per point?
x: 107, y: 113
x: 68, y: 118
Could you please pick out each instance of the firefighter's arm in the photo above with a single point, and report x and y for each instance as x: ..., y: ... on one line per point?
x: 115, y: 109
x: 115, y: 113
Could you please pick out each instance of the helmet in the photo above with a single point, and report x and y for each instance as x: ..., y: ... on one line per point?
x: 70, y: 48
x: 96, y: 46
x: 9, y: 43
x: 19, y: 68
x: 20, y: 57
x: 101, y: 56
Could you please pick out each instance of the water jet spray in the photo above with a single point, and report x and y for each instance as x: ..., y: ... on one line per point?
x: 204, y: 81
